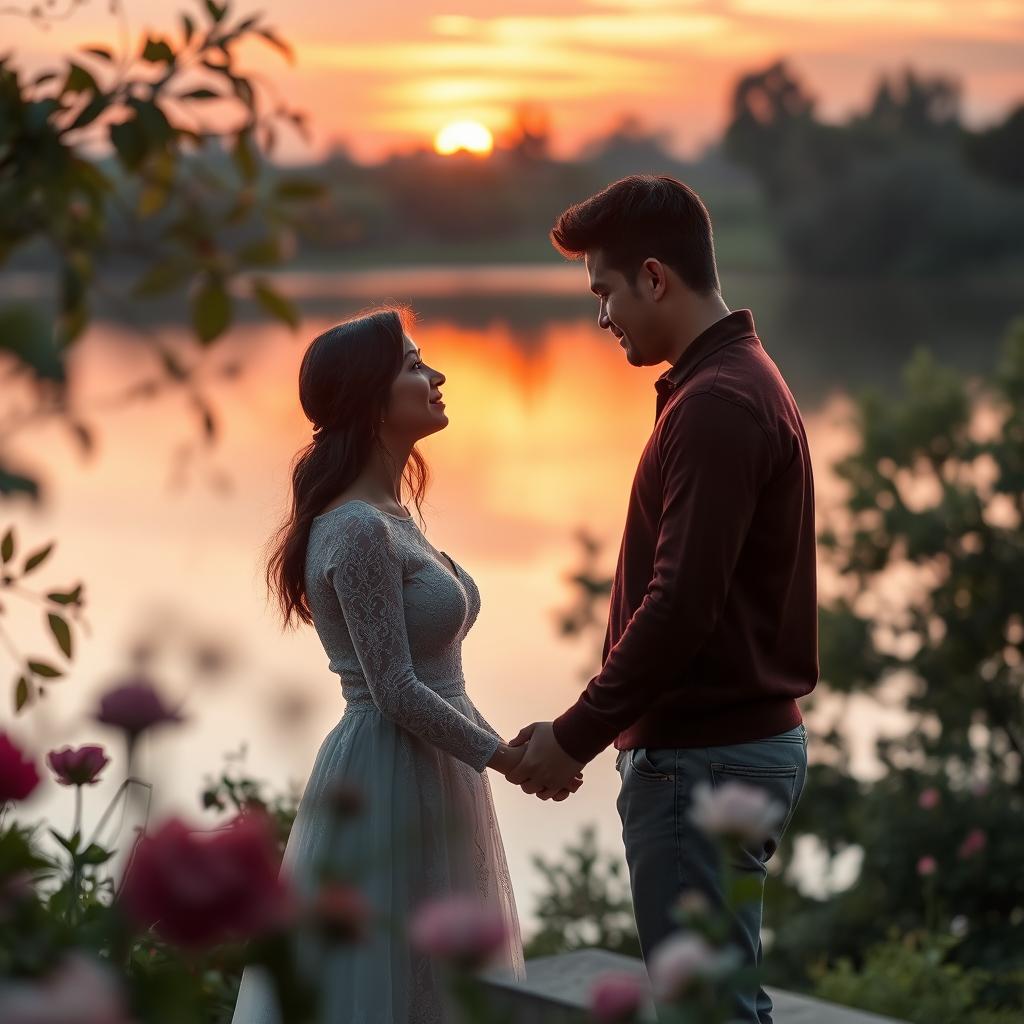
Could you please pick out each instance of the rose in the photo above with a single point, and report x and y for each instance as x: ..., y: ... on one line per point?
x: 200, y: 888
x: 79, y: 767
x: 616, y: 998
x: 928, y: 799
x: 974, y: 842
x: 926, y: 866
x: 679, y: 962
x: 735, y: 811
x: 79, y: 991
x: 18, y: 775
x: 135, y: 706
x: 459, y: 930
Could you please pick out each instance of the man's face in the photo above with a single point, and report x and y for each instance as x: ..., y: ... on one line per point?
x: 623, y: 310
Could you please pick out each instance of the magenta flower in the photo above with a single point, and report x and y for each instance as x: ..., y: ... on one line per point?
x: 926, y: 866
x: 18, y: 775
x: 459, y: 930
x: 616, y: 998
x: 929, y: 799
x: 200, y: 888
x: 79, y: 767
x: 135, y: 706
x: 974, y: 842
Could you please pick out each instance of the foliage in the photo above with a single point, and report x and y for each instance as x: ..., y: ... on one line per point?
x: 912, y: 978
x: 180, y: 205
x: 899, y: 188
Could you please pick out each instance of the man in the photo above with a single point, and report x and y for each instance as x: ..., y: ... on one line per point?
x: 712, y: 629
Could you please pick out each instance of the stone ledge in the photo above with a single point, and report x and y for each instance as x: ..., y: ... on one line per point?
x: 557, y: 991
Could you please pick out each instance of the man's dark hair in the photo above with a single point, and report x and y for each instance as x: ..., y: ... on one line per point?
x: 639, y: 217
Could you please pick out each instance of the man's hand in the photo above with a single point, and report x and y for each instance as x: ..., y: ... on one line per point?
x: 545, y: 770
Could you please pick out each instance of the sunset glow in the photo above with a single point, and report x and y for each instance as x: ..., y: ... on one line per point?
x: 468, y: 136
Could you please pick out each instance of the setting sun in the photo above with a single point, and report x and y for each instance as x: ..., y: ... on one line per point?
x: 470, y: 136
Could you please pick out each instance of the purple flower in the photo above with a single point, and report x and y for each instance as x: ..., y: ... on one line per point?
x: 79, y: 767
x: 135, y: 706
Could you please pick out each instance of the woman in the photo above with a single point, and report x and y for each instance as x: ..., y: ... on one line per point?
x: 392, y: 612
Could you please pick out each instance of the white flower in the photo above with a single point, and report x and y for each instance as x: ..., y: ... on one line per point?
x: 736, y: 810
x: 682, y: 959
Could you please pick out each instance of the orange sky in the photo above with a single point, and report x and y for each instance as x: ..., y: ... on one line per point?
x: 393, y: 72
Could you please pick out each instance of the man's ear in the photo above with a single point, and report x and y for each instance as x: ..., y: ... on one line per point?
x: 654, y: 278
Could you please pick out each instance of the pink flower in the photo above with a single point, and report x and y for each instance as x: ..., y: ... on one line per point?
x: 979, y: 788
x: 459, y: 930
x: 341, y: 911
x: 79, y: 767
x: 974, y: 842
x: 18, y: 775
x: 928, y: 799
x: 926, y: 866
x: 616, y: 998
x: 79, y: 991
x: 135, y: 706
x: 682, y: 960
x: 736, y: 811
x: 200, y: 888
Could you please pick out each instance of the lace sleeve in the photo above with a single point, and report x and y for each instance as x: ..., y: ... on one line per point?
x: 367, y: 577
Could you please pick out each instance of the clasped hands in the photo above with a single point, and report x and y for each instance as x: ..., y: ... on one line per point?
x: 534, y: 761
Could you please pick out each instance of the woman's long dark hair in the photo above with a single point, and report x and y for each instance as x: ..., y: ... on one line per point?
x: 344, y: 385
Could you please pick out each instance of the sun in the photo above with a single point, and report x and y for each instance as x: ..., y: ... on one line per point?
x: 471, y: 136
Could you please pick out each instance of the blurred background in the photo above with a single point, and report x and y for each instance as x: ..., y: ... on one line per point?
x: 191, y: 192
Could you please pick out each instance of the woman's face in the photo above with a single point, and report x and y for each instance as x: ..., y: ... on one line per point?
x: 414, y: 407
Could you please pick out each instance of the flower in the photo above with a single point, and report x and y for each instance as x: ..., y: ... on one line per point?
x: 79, y: 991
x: 928, y: 799
x: 681, y: 960
x: 135, y: 706
x: 926, y: 866
x: 344, y: 799
x: 79, y: 767
x: 974, y: 842
x: 457, y: 929
x: 693, y: 903
x: 735, y: 810
x: 341, y: 911
x: 18, y: 775
x: 616, y: 998
x: 198, y: 889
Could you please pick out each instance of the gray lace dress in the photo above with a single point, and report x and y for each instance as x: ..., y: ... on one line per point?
x: 392, y: 613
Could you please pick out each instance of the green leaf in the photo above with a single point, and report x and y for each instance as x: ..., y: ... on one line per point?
x: 29, y: 335
x: 211, y: 311
x: 99, y: 51
x: 265, y: 252
x: 17, y: 483
x: 163, y: 277
x: 95, y: 854
x: 44, y: 669
x: 188, y: 27
x: 244, y: 157
x: 278, y: 43
x: 217, y: 11
x: 61, y: 632
x: 7, y: 546
x: 59, y: 598
x: 69, y: 844
x: 90, y: 111
x: 157, y: 51
x: 79, y: 80
x: 130, y: 142
x: 36, y: 559
x: 298, y: 188
x: 22, y: 694
x: 276, y: 304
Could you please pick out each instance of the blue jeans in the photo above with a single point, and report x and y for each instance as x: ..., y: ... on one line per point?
x: 667, y: 854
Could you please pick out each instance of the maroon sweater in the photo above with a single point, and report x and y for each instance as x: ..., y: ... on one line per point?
x: 713, y: 627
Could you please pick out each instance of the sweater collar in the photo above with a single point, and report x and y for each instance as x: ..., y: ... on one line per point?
x: 732, y: 327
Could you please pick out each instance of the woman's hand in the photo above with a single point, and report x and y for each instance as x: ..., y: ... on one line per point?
x: 506, y: 757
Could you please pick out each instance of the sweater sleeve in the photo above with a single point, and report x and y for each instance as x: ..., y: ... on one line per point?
x: 366, y: 574
x: 714, y: 459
